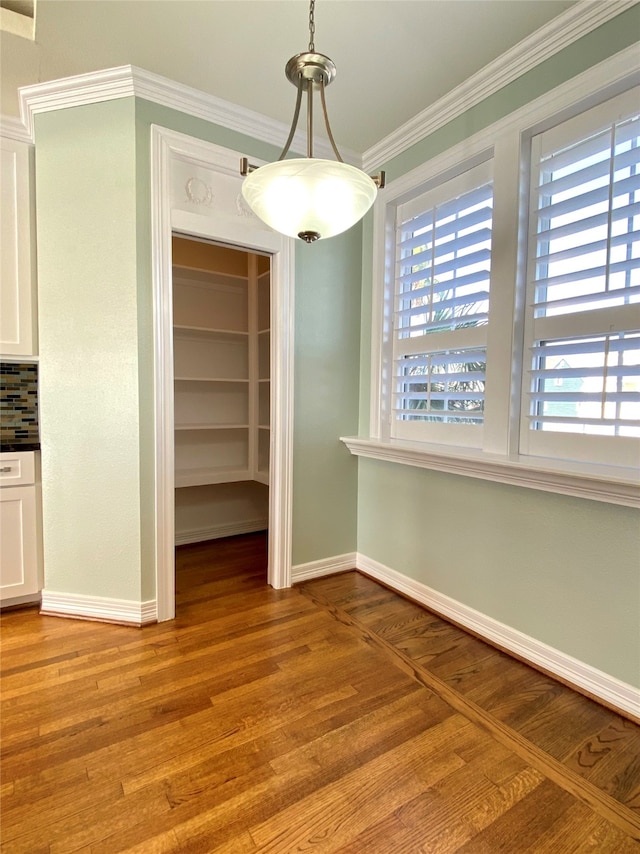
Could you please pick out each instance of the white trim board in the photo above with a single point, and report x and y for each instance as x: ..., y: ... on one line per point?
x: 611, y: 691
x: 604, y: 485
x: 99, y: 608
x: 215, y: 532
x: 324, y: 566
x: 12, y: 128
x: 127, y: 81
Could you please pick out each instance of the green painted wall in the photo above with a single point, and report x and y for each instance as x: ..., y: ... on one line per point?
x: 560, y: 569
x: 88, y: 330
x: 326, y: 396
x: 563, y: 570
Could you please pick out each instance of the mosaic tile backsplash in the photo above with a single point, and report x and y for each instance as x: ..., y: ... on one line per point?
x: 19, y: 406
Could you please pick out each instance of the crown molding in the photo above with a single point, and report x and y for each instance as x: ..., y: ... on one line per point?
x: 577, y: 21
x: 12, y: 128
x: 129, y: 81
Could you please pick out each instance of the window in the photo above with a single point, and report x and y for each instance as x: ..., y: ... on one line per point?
x: 506, y: 313
x: 582, y: 365
x: 442, y: 279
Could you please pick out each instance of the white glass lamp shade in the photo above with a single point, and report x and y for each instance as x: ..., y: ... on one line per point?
x: 309, y: 195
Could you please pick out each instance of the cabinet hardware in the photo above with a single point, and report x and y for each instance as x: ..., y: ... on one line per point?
x: 5, y: 469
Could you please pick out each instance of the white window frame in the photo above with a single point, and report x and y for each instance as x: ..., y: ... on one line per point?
x: 623, y: 451
x: 438, y: 341
x: 498, y: 459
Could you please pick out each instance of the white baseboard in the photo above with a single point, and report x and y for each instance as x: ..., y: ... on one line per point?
x: 611, y: 691
x: 215, y: 532
x: 99, y: 608
x: 326, y: 566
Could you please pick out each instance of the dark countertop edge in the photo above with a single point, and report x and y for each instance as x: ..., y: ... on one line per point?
x: 14, y: 448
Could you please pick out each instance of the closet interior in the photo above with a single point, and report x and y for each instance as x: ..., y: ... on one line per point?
x: 221, y: 344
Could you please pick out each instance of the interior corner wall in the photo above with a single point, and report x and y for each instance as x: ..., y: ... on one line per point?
x: 327, y: 332
x: 88, y: 342
x: 563, y: 570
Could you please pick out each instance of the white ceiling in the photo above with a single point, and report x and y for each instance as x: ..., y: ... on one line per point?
x: 394, y: 57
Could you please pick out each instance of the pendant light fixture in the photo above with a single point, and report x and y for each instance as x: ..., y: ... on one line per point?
x: 308, y: 197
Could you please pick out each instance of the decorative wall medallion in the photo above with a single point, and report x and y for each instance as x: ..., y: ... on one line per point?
x: 243, y: 208
x: 199, y: 193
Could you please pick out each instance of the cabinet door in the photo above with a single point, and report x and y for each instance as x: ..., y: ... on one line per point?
x: 18, y: 542
x: 17, y: 273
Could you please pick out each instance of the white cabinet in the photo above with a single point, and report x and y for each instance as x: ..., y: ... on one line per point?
x: 20, y: 559
x: 17, y: 250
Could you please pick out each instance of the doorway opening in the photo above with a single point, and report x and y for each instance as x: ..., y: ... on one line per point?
x: 222, y: 393
x: 178, y: 163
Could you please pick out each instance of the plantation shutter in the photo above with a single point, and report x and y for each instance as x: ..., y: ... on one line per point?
x: 441, y: 310
x: 583, y: 329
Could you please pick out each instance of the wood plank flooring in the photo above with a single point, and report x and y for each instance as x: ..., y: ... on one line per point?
x: 334, y: 717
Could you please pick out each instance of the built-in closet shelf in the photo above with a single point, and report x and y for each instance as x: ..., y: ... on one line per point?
x: 222, y: 350
x: 206, y: 330
x: 210, y: 380
x: 211, y: 426
x: 206, y: 477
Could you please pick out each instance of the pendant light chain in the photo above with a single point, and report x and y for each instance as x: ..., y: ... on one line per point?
x: 312, y: 25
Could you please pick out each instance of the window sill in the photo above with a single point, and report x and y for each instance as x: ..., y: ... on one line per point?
x: 598, y: 483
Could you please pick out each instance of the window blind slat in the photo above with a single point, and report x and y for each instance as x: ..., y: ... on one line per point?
x: 618, y: 296
x: 478, y: 298
x: 440, y: 358
x: 450, y: 416
x: 427, y: 292
x: 465, y: 201
x: 443, y: 230
x: 588, y: 198
x: 440, y: 395
x: 580, y: 373
x: 459, y: 204
x: 460, y: 376
x: 627, y: 239
x: 586, y: 397
x: 463, y: 242
x: 439, y: 326
x: 592, y: 273
x: 591, y: 422
x: 582, y: 347
x: 592, y: 146
x: 591, y: 172
x: 598, y: 145
x: 588, y: 223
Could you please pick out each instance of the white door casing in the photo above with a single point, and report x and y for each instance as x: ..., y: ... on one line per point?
x: 195, y: 190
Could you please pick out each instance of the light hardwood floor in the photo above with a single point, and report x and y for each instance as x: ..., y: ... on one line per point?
x: 334, y: 717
